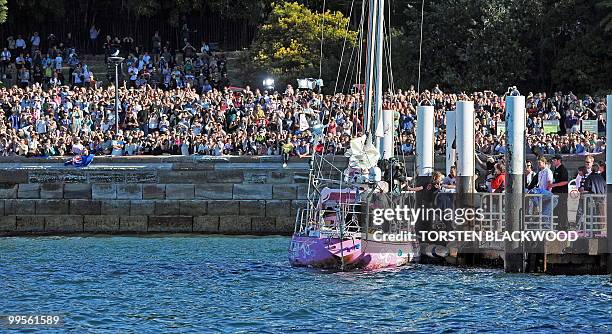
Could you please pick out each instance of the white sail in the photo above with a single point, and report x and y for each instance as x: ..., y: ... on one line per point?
x: 362, y: 154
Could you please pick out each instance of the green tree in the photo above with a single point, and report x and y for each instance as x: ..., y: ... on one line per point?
x: 288, y: 44
x: 579, y: 65
x: 467, y: 44
x: 3, y: 10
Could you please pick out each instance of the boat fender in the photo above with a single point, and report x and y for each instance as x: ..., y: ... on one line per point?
x: 436, y: 251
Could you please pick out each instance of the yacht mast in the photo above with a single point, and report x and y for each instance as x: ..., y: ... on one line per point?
x: 378, y: 75
x: 370, y: 65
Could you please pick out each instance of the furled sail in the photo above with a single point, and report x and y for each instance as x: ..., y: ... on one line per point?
x: 362, y: 154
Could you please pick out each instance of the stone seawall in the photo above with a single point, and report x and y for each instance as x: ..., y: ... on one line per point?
x: 234, y: 195
x: 230, y: 196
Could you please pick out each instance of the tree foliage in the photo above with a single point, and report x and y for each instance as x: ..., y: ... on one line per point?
x: 467, y: 44
x: 493, y: 44
x: 173, y: 10
x: 3, y: 10
x: 289, y: 42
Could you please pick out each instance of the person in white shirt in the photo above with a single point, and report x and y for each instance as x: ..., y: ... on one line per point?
x: 133, y: 72
x: 77, y: 147
x: 41, y: 126
x: 35, y: 41
x: 20, y: 43
x: 58, y: 62
x: 55, y: 81
x: 93, y: 36
x: 529, y: 174
x: 153, y: 122
x: 185, y: 147
x: 545, y: 176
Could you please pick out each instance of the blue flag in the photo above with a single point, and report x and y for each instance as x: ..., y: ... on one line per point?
x: 80, y: 161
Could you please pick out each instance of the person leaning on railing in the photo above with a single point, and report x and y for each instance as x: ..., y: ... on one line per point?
x: 595, y: 184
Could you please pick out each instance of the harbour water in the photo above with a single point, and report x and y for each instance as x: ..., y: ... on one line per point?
x: 244, y: 284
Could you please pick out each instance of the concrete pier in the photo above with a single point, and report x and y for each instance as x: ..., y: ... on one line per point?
x: 451, y: 130
x: 514, y: 260
x: 425, y: 140
x: 609, y: 179
x: 465, y: 147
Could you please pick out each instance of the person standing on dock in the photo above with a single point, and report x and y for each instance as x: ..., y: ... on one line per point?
x: 531, y: 177
x: 545, y: 181
x: 559, y: 187
x: 545, y: 175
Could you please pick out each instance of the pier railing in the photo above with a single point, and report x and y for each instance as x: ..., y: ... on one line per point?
x: 591, y: 216
x: 538, y: 213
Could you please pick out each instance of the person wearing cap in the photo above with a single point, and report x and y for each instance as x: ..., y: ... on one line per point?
x: 559, y: 187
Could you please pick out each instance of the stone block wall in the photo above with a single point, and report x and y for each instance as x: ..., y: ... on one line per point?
x: 229, y: 196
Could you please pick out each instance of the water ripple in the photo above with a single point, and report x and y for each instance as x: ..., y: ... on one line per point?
x: 245, y: 285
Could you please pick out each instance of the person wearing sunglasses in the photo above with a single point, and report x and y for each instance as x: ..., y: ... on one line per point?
x: 531, y: 177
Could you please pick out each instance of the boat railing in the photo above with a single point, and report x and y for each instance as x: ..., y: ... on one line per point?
x: 343, y: 221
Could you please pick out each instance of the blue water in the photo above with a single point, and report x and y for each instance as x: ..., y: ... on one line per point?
x: 228, y: 285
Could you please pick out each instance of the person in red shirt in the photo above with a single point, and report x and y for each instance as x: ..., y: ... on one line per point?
x: 331, y: 127
x: 499, y: 181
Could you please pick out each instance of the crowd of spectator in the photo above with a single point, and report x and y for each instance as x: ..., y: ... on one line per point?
x: 178, y: 101
x: 166, y: 67
x: 60, y: 120
x: 25, y: 63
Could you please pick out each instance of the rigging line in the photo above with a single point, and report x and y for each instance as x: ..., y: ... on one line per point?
x: 348, y: 23
x: 361, y: 35
x: 349, y: 68
x: 421, y: 47
x: 388, y: 58
x: 390, y: 49
x: 322, y: 26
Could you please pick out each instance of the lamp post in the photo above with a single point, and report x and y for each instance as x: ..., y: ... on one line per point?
x: 117, y: 61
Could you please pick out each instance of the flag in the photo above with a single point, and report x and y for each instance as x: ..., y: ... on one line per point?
x: 80, y: 161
